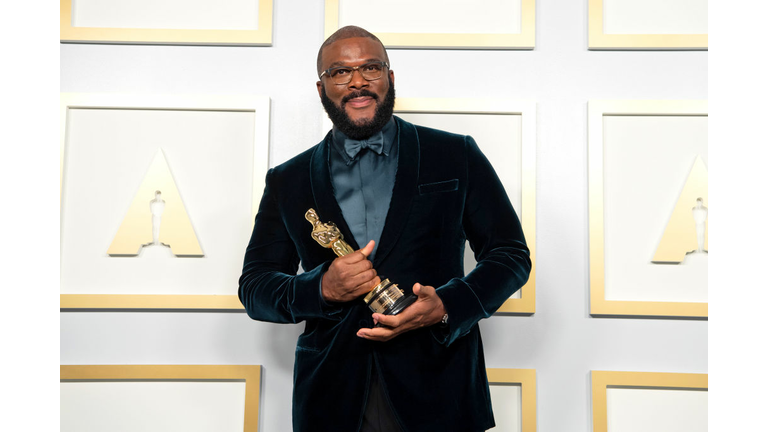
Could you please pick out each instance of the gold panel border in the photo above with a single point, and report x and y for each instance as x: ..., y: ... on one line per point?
x: 602, y: 41
x: 602, y: 380
x: 260, y: 105
x: 527, y: 109
x: 598, y: 304
x: 262, y: 36
x: 149, y: 301
x: 527, y: 380
x: 251, y: 374
x: 526, y: 39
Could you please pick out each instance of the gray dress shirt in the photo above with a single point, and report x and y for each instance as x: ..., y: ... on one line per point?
x: 363, y: 185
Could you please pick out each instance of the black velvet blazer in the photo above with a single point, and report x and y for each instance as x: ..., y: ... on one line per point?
x: 445, y: 192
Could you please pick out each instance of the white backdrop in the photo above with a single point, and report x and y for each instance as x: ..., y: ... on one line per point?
x: 561, y: 341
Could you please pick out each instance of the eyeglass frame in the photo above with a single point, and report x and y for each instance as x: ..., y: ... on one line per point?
x: 355, y: 68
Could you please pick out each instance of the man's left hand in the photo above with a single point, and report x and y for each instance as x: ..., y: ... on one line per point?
x: 427, y: 310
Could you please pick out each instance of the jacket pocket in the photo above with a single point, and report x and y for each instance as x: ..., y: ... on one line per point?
x: 441, y: 186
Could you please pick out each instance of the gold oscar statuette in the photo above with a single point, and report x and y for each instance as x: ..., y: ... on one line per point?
x: 385, y: 298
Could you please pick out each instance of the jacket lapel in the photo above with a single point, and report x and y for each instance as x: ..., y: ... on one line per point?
x: 322, y: 190
x: 406, y: 181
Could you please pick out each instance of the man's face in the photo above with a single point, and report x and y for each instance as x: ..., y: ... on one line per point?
x: 360, y: 106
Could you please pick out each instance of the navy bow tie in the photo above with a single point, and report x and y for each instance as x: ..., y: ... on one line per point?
x: 353, y: 147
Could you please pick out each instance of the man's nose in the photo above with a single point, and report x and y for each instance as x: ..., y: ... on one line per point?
x: 357, y: 81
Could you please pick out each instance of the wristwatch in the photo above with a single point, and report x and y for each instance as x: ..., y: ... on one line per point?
x: 444, y: 321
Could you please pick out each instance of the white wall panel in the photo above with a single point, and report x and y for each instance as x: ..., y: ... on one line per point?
x: 108, y: 152
x: 655, y: 16
x: 152, y: 406
x: 669, y: 410
x: 432, y: 16
x: 646, y: 162
x: 167, y: 14
x: 507, y: 407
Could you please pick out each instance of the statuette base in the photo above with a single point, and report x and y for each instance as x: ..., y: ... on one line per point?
x: 387, y: 299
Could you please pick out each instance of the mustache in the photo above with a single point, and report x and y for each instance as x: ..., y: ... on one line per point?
x: 358, y: 93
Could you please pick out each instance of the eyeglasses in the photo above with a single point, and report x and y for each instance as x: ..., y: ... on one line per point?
x: 343, y: 75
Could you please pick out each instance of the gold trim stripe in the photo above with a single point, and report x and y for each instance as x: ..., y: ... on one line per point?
x: 600, y: 40
x: 251, y: 374
x: 261, y: 36
x: 149, y: 301
x: 526, y: 39
x: 645, y: 308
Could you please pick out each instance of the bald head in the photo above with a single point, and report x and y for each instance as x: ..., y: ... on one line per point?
x: 346, y: 33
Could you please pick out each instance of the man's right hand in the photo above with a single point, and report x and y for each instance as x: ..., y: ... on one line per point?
x: 350, y: 276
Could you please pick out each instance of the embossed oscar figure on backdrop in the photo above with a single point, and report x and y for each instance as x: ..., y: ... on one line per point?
x: 385, y: 298
x: 156, y: 206
x: 700, y: 217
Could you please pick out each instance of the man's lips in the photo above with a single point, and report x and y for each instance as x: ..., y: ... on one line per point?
x: 360, y: 102
x: 359, y: 99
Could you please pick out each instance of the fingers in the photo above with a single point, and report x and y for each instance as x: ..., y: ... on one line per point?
x: 423, y: 291
x: 351, y: 266
x: 359, y: 256
x: 387, y: 320
x: 367, y: 250
x: 365, y: 281
x: 391, y: 326
x: 357, y: 274
x: 380, y: 334
x: 350, y: 276
x: 426, y: 311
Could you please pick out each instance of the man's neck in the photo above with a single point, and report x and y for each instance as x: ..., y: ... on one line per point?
x: 389, y: 131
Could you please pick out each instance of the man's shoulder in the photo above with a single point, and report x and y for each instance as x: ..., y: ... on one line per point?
x: 428, y: 137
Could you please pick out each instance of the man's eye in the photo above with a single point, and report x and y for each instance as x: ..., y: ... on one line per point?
x: 372, y: 67
x: 339, y: 72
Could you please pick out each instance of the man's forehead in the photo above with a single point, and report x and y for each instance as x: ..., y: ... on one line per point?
x: 353, y: 49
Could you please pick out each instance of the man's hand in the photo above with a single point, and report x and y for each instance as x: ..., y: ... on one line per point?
x: 350, y: 276
x: 426, y: 311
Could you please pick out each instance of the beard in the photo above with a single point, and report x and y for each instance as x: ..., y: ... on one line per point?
x: 361, y: 129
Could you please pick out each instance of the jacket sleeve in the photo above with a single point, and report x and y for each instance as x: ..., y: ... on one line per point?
x: 269, y: 287
x: 496, y: 238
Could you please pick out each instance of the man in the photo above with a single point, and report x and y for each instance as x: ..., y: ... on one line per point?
x: 412, y: 195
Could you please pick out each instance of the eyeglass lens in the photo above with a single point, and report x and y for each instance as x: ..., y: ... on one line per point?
x: 369, y: 71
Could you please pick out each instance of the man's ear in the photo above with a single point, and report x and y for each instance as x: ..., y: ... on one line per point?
x: 392, y: 76
x: 319, y: 88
